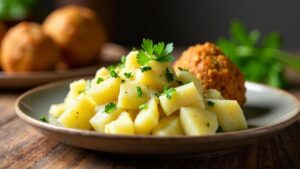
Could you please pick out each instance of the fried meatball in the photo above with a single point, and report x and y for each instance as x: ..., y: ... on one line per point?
x: 26, y: 47
x: 215, y: 70
x: 78, y: 32
x: 2, y: 33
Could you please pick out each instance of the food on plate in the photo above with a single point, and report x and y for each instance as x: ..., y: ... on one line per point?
x: 78, y: 32
x: 216, y: 71
x: 26, y: 47
x: 144, y: 95
x: 2, y: 33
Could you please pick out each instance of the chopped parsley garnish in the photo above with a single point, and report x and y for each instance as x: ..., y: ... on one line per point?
x: 220, y: 129
x: 110, y: 107
x: 183, y: 69
x: 157, y: 94
x: 145, y: 68
x: 169, y: 92
x: 179, y: 82
x: 122, y: 60
x: 207, y: 124
x: 139, y: 91
x: 112, y: 72
x: 128, y: 75
x: 143, y: 106
x: 169, y: 75
x: 210, y: 103
x: 43, y: 118
x: 158, y: 52
x: 99, y: 80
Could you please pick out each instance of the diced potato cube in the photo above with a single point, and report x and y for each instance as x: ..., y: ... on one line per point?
x: 106, y: 91
x: 78, y: 113
x: 57, y: 109
x: 147, y: 118
x: 197, y: 121
x: 101, y: 118
x: 229, y: 113
x: 186, y: 77
x: 156, y: 77
x: 76, y: 88
x: 183, y: 96
x: 213, y: 94
x: 101, y: 73
x: 123, y: 125
x: 169, y: 126
x: 131, y: 61
x: 129, y: 97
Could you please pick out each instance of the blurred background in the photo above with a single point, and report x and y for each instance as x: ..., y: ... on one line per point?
x: 260, y: 37
x: 182, y: 22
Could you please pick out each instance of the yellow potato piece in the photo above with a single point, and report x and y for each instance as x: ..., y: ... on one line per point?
x: 101, y: 73
x: 197, y: 121
x: 106, y: 91
x: 76, y: 88
x: 169, y: 126
x: 57, y: 109
x: 78, y: 113
x: 129, y: 98
x: 101, y: 118
x: 229, y: 113
x: 186, y: 77
x: 155, y: 78
x: 213, y: 94
x: 147, y: 118
x: 131, y: 61
x: 122, y: 125
x: 183, y: 96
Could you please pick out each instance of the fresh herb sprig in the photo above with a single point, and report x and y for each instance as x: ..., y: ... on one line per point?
x: 259, y: 58
x: 158, y: 52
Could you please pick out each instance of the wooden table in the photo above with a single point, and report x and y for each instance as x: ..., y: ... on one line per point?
x: 23, y: 147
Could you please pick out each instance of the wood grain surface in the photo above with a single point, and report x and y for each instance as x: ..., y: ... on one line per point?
x: 23, y: 147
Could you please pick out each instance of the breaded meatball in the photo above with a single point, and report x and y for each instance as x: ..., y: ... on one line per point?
x: 78, y: 32
x: 215, y: 70
x: 26, y: 48
x: 2, y: 33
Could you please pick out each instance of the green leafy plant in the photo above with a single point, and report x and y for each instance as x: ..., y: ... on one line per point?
x: 159, y: 52
x: 259, y: 57
x: 16, y: 9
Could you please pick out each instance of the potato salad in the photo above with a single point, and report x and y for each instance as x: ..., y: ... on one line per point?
x: 144, y: 95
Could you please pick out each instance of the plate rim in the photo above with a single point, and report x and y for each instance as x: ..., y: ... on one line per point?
x: 226, y: 136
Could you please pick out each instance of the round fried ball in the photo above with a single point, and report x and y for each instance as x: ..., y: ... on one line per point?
x: 78, y: 32
x: 26, y: 47
x: 215, y: 70
x: 2, y: 33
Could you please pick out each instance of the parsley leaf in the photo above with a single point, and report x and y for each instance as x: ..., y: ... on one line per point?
x: 158, y: 52
x: 182, y: 69
x: 210, y: 103
x: 207, y: 124
x: 169, y: 75
x: 128, y: 75
x: 112, y: 72
x: 220, y: 129
x: 145, y: 68
x: 110, y: 107
x: 123, y: 60
x: 139, y: 91
x: 143, y: 106
x: 99, y: 80
x: 169, y: 92
x: 43, y: 118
